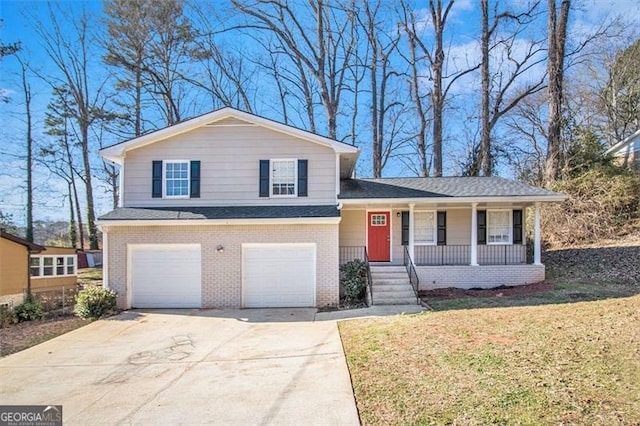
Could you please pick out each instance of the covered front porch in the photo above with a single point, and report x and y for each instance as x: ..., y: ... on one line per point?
x: 465, y: 245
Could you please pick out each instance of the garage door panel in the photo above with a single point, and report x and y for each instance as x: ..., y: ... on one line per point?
x: 166, y: 276
x: 279, y: 275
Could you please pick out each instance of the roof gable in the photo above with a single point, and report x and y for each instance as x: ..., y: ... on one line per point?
x: 222, y: 117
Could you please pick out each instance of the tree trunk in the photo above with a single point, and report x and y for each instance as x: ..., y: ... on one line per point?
x: 557, y: 27
x: 73, y: 236
x: 485, y: 137
x: 27, y: 104
x: 91, y: 216
x: 437, y: 96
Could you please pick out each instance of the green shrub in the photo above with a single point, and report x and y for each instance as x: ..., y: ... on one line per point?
x: 7, y: 317
x: 29, y: 310
x: 354, y: 279
x: 95, y: 302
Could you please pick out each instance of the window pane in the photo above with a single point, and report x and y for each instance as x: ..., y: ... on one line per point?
x: 177, y: 179
x: 35, y: 261
x: 48, y: 261
x: 499, y: 227
x: 283, y: 177
x: 423, y: 224
x: 35, y: 271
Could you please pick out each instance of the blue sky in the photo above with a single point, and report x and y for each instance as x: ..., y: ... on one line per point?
x: 50, y: 204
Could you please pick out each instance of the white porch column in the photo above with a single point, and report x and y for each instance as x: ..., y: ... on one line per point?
x: 474, y: 234
x: 411, y: 251
x: 537, y: 254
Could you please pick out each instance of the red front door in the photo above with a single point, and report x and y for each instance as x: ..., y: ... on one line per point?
x: 379, y: 236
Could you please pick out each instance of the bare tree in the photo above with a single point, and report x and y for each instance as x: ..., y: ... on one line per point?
x: 26, y: 90
x: 441, y: 80
x: 71, y: 55
x: 557, y: 39
x: 323, y: 48
x: 382, y: 47
x: 500, y: 92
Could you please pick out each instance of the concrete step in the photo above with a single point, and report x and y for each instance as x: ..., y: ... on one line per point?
x: 392, y: 281
x: 392, y: 287
x: 388, y: 269
x: 383, y: 275
x: 390, y: 296
x: 394, y: 301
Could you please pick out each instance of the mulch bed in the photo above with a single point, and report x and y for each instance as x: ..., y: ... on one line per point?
x: 18, y: 337
x: 456, y: 293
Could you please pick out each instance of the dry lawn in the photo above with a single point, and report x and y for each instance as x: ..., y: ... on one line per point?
x: 18, y: 337
x: 573, y: 363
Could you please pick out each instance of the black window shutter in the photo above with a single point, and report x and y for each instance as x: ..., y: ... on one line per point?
x: 195, y: 179
x: 442, y: 228
x: 264, y: 178
x: 517, y: 227
x: 405, y: 228
x: 482, y: 227
x: 303, y: 166
x: 156, y: 179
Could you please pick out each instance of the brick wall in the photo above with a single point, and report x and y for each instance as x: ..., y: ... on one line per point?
x: 484, y: 276
x: 222, y: 272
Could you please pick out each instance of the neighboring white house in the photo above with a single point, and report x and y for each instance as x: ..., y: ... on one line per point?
x: 231, y: 210
x: 627, y: 151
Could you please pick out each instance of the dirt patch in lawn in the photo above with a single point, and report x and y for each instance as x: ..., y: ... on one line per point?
x: 18, y: 337
x: 456, y: 293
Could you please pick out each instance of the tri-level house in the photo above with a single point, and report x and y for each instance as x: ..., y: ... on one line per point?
x: 231, y: 210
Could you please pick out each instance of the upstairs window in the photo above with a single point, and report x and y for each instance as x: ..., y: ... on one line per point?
x: 176, y: 179
x: 283, y: 178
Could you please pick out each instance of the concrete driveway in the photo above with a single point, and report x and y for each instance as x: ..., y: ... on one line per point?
x: 189, y: 367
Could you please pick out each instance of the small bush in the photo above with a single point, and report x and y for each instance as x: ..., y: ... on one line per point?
x: 7, y: 317
x: 354, y: 279
x: 95, y: 302
x: 29, y: 310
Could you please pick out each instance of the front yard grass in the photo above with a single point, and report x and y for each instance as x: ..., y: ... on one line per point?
x: 570, y: 355
x: 574, y: 363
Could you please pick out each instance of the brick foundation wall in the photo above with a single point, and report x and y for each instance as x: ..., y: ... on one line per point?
x: 222, y: 272
x: 484, y: 276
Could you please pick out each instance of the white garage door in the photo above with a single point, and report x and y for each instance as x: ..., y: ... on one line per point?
x: 278, y: 275
x: 165, y: 275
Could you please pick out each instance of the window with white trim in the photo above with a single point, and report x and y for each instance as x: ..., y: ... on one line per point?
x: 499, y: 227
x: 283, y: 178
x: 176, y: 179
x: 424, y: 227
x: 52, y: 266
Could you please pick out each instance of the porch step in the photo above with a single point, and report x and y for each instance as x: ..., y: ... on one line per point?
x: 391, y: 286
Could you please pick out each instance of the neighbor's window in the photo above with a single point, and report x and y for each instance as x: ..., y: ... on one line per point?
x: 176, y: 179
x: 283, y: 178
x: 498, y: 226
x: 424, y: 227
x: 47, y: 269
x: 34, y: 266
x: 71, y: 265
x: 52, y: 266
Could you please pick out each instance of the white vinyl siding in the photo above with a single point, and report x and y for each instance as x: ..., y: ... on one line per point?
x: 424, y: 227
x: 499, y: 227
x: 229, y: 174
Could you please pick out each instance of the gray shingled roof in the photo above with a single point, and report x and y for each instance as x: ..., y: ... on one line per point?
x: 236, y: 212
x: 437, y: 188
